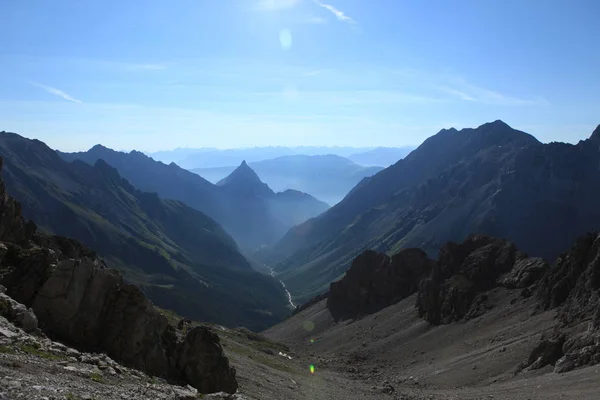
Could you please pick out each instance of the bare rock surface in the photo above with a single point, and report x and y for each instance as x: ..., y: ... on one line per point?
x: 375, y: 281
x: 572, y: 286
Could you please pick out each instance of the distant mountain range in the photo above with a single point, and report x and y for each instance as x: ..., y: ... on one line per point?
x: 213, y: 158
x: 327, y: 177
x: 493, y: 180
x: 181, y: 258
x: 271, y: 213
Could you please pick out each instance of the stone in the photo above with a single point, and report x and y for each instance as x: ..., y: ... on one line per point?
x: 200, y: 358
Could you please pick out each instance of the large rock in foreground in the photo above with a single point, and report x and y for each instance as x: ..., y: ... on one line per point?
x: 375, y: 281
x: 79, y: 301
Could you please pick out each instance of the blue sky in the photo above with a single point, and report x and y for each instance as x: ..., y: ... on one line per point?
x: 155, y: 74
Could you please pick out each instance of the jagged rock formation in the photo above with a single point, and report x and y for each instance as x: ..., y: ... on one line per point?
x: 79, y: 301
x: 573, y: 286
x: 464, y: 272
x: 375, y: 281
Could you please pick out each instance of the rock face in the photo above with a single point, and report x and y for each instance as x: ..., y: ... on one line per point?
x: 573, y: 287
x: 464, y: 272
x: 524, y: 273
x: 81, y: 302
x: 375, y: 281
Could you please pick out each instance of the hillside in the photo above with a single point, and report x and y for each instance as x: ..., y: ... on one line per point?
x: 513, y: 327
x: 327, y: 177
x: 250, y: 231
x: 182, y: 259
x: 381, y: 156
x: 493, y: 180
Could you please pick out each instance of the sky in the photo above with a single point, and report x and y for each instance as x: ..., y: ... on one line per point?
x: 155, y: 75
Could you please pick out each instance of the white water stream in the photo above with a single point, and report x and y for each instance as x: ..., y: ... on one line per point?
x: 289, y: 295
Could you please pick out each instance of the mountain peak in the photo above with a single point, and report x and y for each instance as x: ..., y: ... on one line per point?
x: 596, y: 134
x: 244, y: 180
x: 496, y: 124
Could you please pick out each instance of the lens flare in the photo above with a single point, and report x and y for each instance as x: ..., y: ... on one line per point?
x: 285, y: 39
x: 308, y: 326
x: 312, y: 369
x: 312, y: 340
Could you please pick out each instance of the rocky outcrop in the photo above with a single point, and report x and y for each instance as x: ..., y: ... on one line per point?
x: 572, y: 286
x: 81, y: 302
x: 375, y: 281
x: 464, y: 272
x: 524, y: 273
x: 17, y: 313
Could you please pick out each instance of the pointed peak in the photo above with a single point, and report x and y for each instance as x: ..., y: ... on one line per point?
x: 97, y: 148
x: 244, y: 179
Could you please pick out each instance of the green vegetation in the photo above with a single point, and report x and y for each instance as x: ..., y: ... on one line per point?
x: 35, y: 351
x: 97, y: 377
x: 7, y: 350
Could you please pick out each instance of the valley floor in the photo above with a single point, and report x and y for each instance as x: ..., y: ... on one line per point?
x: 388, y: 355
x: 394, y: 354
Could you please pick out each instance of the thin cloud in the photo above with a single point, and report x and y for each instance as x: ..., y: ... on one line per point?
x: 55, y: 91
x: 270, y: 5
x: 464, y: 90
x: 340, y: 15
x: 314, y: 20
x: 455, y: 92
x: 316, y: 72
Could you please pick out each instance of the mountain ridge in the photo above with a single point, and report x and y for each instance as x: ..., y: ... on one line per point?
x: 254, y: 220
x: 489, y: 180
x: 178, y: 255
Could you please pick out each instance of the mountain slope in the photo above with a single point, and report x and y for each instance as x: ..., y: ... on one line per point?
x: 493, y: 180
x: 381, y: 156
x: 180, y: 257
x: 326, y: 177
x: 220, y: 203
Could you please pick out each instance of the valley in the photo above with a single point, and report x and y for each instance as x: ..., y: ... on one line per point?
x: 309, y: 316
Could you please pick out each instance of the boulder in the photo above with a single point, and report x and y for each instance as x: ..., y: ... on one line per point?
x: 375, y: 281
x: 17, y: 313
x: 200, y: 359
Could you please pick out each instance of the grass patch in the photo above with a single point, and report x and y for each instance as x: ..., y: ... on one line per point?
x: 7, y: 350
x: 35, y: 351
x: 97, y: 377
